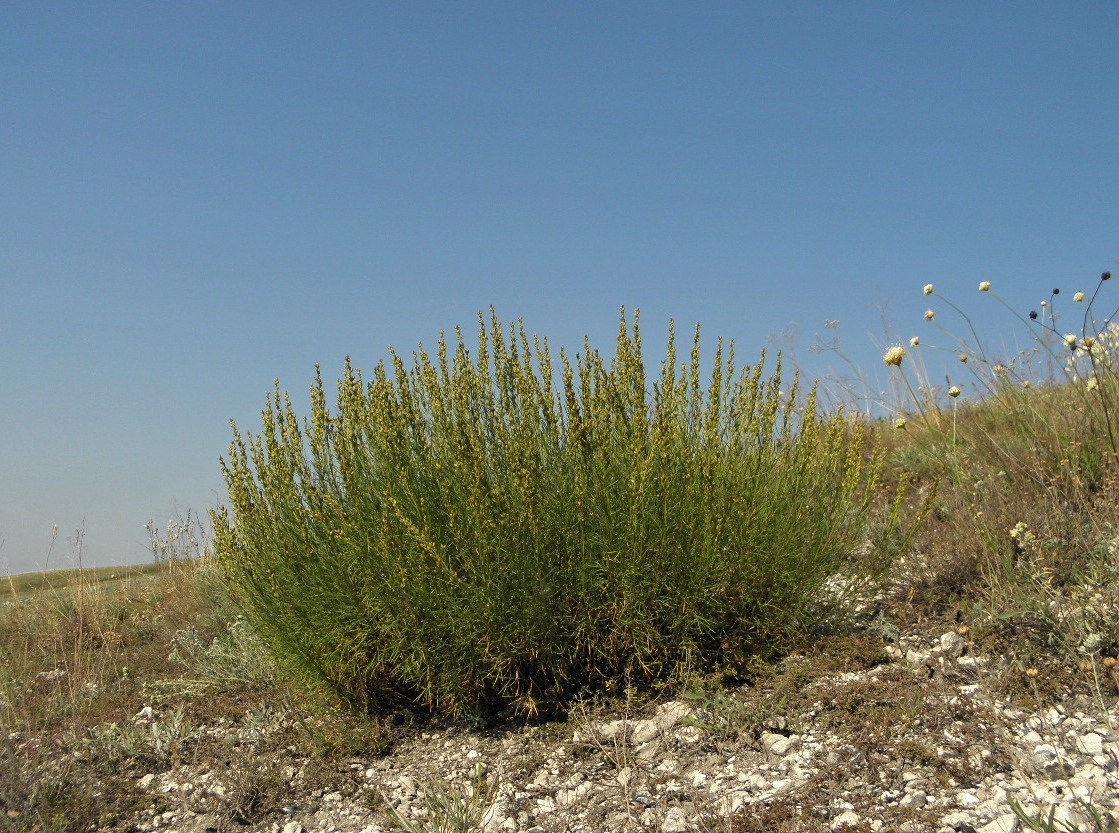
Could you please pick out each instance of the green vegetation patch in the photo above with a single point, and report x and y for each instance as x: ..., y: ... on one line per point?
x: 487, y: 528
x: 25, y: 584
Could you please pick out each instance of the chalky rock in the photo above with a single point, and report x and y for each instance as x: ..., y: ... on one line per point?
x: 948, y: 755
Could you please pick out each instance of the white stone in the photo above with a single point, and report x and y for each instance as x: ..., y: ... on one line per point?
x: 952, y: 644
x: 1069, y: 818
x: 1045, y: 756
x: 645, y: 730
x: 675, y: 821
x: 917, y: 658
x: 917, y: 798
x: 672, y: 713
x: 1090, y: 744
x: 545, y: 805
x: 848, y: 818
x: 1006, y: 823
x: 786, y: 745
x: 293, y: 827
x: 956, y: 820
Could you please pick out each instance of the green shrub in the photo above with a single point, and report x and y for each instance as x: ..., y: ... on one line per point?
x: 487, y: 529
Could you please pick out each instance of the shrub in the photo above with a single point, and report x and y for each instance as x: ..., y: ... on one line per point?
x: 487, y: 529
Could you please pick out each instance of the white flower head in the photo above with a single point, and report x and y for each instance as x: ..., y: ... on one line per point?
x: 929, y: 315
x: 928, y: 289
x: 894, y: 355
x: 899, y: 422
x: 1070, y: 339
x: 1078, y: 297
x: 913, y: 342
x: 985, y: 286
x: 954, y: 391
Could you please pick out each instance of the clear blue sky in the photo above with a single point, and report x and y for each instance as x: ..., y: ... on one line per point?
x: 198, y: 198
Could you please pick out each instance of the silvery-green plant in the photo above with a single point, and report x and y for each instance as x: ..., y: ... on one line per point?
x: 235, y: 659
x: 159, y: 739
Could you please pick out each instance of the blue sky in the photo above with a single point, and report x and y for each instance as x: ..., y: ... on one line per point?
x: 199, y: 198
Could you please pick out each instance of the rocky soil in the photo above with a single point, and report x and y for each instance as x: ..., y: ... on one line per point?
x: 878, y: 732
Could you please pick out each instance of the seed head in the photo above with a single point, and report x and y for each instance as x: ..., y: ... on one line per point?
x: 962, y: 630
x: 929, y: 315
x: 954, y: 391
x: 1045, y: 303
x: 963, y: 357
x: 1085, y: 666
x: 894, y: 356
x: 985, y: 286
x: 1078, y: 297
x: 928, y: 289
x: 1026, y: 383
x: 1033, y: 315
x: 1106, y: 276
x: 1056, y: 290
x: 1110, y: 662
x: 1070, y: 340
x: 1032, y: 673
x: 913, y: 342
x: 899, y: 422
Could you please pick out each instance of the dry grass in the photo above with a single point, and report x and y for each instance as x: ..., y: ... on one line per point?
x: 88, y: 651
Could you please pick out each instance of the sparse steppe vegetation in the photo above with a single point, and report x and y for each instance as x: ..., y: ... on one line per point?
x: 396, y: 564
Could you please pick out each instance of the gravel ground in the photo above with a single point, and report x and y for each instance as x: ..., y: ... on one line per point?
x: 912, y: 736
